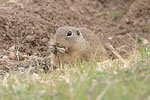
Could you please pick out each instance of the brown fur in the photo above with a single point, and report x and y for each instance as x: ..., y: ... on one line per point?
x: 83, y: 44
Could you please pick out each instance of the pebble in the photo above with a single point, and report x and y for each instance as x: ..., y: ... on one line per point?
x: 12, y: 48
x: 12, y: 56
x: 30, y: 38
x: 44, y: 40
x: 5, y: 57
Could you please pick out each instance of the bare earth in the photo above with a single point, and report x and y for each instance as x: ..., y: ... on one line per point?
x: 26, y: 25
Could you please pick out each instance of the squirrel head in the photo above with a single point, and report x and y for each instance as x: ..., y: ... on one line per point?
x: 68, y: 37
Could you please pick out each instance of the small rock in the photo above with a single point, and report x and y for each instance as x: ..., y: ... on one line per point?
x: 44, y: 40
x: 12, y: 56
x: 5, y: 57
x: 145, y: 41
x: 30, y: 38
x: 12, y: 48
x: 110, y: 38
x: 127, y: 21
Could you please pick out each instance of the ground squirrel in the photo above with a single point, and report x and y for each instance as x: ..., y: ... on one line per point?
x: 69, y: 43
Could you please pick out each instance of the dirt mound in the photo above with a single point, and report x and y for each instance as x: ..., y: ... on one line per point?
x: 33, y: 21
x: 27, y: 24
x: 139, y: 15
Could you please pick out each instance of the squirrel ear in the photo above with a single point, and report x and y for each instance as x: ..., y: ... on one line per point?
x: 78, y: 32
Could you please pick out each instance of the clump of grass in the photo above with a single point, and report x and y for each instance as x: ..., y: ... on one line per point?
x: 116, y: 16
x: 101, y: 7
x: 108, y: 80
x: 145, y: 27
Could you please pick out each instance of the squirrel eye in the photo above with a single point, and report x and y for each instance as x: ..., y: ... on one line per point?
x: 78, y: 32
x: 69, y: 33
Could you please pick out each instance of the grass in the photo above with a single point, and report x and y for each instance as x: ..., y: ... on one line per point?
x: 116, y: 16
x: 109, y: 80
x: 101, y: 7
x: 145, y: 27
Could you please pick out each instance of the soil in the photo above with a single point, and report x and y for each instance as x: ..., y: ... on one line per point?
x: 26, y: 25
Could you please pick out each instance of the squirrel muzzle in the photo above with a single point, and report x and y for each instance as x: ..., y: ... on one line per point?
x: 58, y: 49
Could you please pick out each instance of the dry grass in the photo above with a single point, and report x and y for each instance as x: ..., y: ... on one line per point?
x: 111, y: 79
